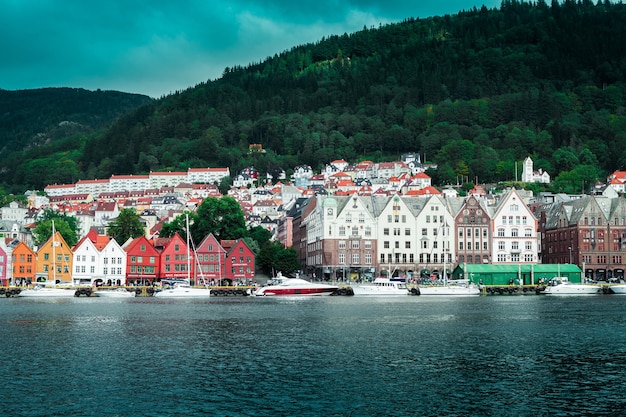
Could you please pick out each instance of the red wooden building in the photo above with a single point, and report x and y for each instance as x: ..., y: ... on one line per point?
x: 176, y: 259
x: 211, y: 259
x: 239, y: 260
x: 142, y: 266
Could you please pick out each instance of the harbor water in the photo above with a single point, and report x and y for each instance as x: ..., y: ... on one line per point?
x: 317, y: 356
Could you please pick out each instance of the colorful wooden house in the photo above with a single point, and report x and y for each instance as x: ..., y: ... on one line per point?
x: 211, y: 260
x: 239, y: 260
x: 142, y: 261
x: 176, y: 259
x: 54, y: 261
x: 23, y: 264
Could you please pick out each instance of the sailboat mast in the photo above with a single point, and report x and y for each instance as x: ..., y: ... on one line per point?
x: 54, y: 256
x: 188, y: 253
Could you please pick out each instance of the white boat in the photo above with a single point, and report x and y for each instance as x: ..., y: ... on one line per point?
x: 48, y: 291
x: 116, y: 293
x: 183, y: 290
x: 283, y: 286
x: 618, y: 289
x: 562, y: 286
x: 382, y: 286
x: 450, y: 288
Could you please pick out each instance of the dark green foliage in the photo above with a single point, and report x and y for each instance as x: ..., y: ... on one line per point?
x: 493, y: 85
x: 66, y: 225
x: 274, y: 258
x: 221, y: 216
x: 127, y: 225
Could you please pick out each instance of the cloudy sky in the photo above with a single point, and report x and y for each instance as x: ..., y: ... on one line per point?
x: 156, y: 47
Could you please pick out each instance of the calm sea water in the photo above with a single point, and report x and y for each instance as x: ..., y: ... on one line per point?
x: 327, y: 356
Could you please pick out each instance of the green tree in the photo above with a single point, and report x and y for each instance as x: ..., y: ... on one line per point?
x: 274, y: 258
x: 126, y: 226
x: 66, y: 225
x: 260, y: 235
x: 221, y: 216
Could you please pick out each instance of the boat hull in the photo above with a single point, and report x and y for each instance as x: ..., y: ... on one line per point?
x: 48, y: 292
x: 618, y: 289
x: 381, y: 287
x: 114, y: 294
x: 574, y: 289
x: 294, y: 291
x: 449, y: 291
x: 184, y: 292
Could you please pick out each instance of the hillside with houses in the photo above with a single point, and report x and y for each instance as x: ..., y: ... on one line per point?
x: 347, y: 222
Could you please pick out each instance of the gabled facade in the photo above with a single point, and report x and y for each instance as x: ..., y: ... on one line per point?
x: 211, y: 260
x: 176, y: 259
x: 54, y: 260
x: 23, y: 264
x: 142, y: 261
x: 473, y: 232
x: 240, y: 261
x: 513, y: 231
x: 98, y: 258
x: 436, y: 251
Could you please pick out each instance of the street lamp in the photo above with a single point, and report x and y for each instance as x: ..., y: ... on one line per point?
x: 570, y: 254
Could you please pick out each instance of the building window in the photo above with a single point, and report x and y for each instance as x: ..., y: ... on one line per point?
x: 500, y: 232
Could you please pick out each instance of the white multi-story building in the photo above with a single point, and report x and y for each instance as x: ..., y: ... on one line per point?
x: 99, y: 258
x: 129, y: 183
x: 92, y: 187
x: 514, y: 231
x: 167, y: 179
x: 207, y: 175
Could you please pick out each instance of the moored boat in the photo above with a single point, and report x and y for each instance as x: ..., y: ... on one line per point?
x: 451, y: 288
x: 382, y: 286
x: 283, y: 286
x: 116, y: 293
x: 183, y: 290
x: 562, y: 286
x: 618, y: 289
x: 43, y: 291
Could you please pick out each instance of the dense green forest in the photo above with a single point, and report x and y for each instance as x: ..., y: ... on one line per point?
x: 474, y: 92
x: 42, y: 131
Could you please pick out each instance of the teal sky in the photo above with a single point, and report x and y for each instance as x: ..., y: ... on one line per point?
x: 156, y: 47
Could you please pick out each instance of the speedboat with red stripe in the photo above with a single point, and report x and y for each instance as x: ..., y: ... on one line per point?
x: 284, y: 286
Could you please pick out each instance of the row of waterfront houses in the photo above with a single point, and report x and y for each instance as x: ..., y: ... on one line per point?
x: 362, y: 236
x: 100, y: 259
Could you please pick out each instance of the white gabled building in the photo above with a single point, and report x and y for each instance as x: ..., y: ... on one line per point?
x: 99, y: 258
x: 514, y: 231
x: 435, y: 230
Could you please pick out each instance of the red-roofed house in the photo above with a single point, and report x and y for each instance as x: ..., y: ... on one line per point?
x: 211, y: 259
x: 142, y: 261
x: 240, y: 261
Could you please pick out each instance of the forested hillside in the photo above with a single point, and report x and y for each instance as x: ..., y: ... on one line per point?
x: 39, y: 128
x: 473, y: 92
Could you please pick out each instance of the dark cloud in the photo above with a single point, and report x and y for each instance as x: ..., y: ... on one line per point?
x: 155, y: 47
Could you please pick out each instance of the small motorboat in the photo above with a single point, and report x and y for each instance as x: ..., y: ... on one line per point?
x: 382, y: 286
x: 48, y: 291
x: 618, y: 289
x: 183, y: 290
x: 450, y: 288
x: 281, y: 286
x: 116, y: 293
x: 562, y: 286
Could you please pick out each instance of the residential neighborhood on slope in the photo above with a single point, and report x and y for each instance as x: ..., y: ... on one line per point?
x: 347, y: 222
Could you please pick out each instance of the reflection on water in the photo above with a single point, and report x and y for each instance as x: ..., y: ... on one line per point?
x: 494, y: 356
